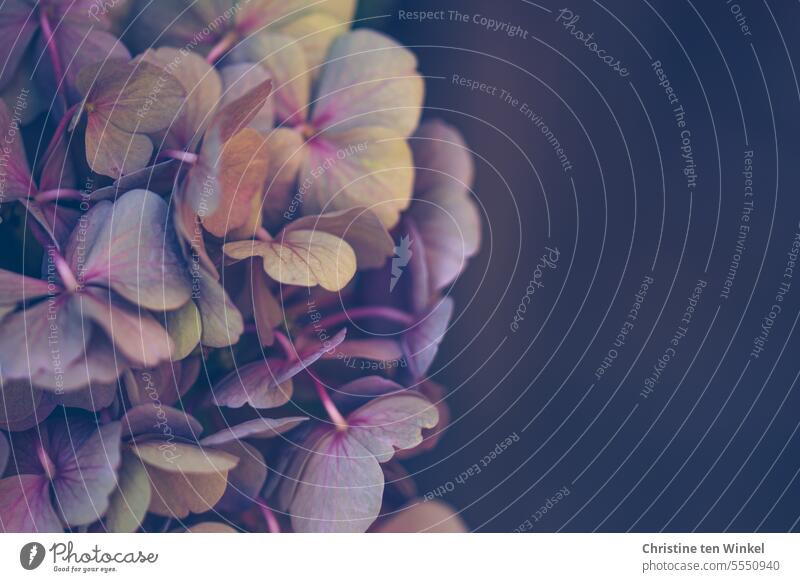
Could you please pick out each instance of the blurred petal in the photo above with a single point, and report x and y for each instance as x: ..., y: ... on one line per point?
x: 17, y: 27
x: 15, y: 288
x: 421, y: 342
x: 423, y: 517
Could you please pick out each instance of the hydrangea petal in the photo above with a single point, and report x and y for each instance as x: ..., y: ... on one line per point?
x: 246, y: 480
x: 133, y: 253
x: 222, y: 321
x: 22, y: 406
x: 154, y: 419
x: 369, y: 81
x: 17, y: 179
x: 54, y: 334
x: 203, y: 88
x: 185, y: 327
x: 362, y: 167
x: 190, y: 480
x: 338, y: 485
x: 25, y: 505
x: 241, y: 174
x: 86, y: 473
x: 359, y: 227
x: 421, y: 343
x: 129, y: 502
x: 259, y: 384
x: 286, y: 63
x: 240, y: 79
x: 258, y: 428
x: 17, y: 27
x: 302, y: 257
x: 138, y: 336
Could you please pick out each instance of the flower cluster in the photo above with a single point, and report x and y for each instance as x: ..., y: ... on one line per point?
x: 229, y: 242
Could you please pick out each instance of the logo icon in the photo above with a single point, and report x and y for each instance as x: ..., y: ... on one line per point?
x: 402, y: 256
x: 31, y: 555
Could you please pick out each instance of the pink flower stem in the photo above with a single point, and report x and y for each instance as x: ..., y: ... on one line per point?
x: 223, y: 46
x: 61, y: 128
x: 387, y: 313
x: 269, y: 517
x: 52, y: 51
x: 286, y: 346
x: 58, y: 194
x: 44, y: 459
x: 180, y: 155
x: 67, y: 277
x: 333, y: 412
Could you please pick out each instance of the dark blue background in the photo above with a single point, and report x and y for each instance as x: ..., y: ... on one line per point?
x: 715, y: 446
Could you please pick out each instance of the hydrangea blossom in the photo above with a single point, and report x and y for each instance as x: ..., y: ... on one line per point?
x: 214, y: 215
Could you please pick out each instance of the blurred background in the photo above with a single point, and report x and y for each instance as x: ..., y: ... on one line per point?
x: 650, y: 383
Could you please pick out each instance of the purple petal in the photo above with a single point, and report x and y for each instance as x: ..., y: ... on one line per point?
x: 392, y: 422
x: 86, y: 470
x: 262, y: 384
x: 25, y: 505
x: 138, y: 336
x: 258, y: 428
x: 245, y: 480
x: 16, y: 174
x: 22, y: 406
x: 17, y: 27
x: 16, y: 288
x: 266, y: 384
x: 337, y: 486
x: 155, y: 419
x: 222, y: 321
x: 40, y: 341
x: 133, y: 252
x: 340, y: 490
x: 421, y: 342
